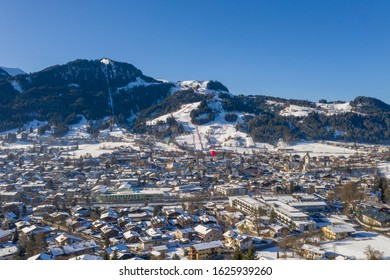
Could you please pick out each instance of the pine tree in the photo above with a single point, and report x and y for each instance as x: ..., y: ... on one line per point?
x: 20, y: 253
x: 16, y: 237
x: 115, y: 255
x: 237, y: 254
x: 250, y: 253
x: 106, y: 242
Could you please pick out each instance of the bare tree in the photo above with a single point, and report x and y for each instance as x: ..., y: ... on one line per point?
x: 373, y: 254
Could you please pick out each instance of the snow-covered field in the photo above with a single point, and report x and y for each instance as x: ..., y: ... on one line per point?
x: 322, y: 108
x: 354, y: 247
x: 384, y: 169
x: 320, y: 149
x: 98, y: 149
x: 219, y: 132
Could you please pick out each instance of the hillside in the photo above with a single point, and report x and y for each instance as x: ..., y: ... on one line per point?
x: 105, y: 94
x: 92, y: 88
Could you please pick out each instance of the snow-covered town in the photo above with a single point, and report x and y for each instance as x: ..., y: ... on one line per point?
x: 127, y: 196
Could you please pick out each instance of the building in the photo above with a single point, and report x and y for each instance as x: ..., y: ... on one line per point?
x: 336, y: 232
x: 207, y: 234
x: 235, y: 239
x: 376, y: 218
x: 8, y: 253
x: 247, y: 205
x: 206, y: 251
x: 10, y: 196
x: 311, y: 252
x: 230, y: 190
x: 5, y: 236
x: 129, y: 195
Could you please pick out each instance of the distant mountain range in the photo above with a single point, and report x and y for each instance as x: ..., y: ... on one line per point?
x: 98, y: 89
x: 11, y: 71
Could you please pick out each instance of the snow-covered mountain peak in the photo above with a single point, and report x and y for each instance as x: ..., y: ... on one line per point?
x: 106, y: 61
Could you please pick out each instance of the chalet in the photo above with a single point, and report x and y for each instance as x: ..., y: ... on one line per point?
x: 376, y: 218
x: 10, y: 196
x: 8, y: 253
x: 235, y: 239
x: 158, y: 222
x: 206, y: 251
x: 109, y: 231
x: 311, y: 252
x: 207, y: 234
x: 131, y: 236
x: 186, y: 233
x: 184, y: 220
x: 5, y: 236
x: 81, y: 248
x: 336, y: 232
x: 66, y: 239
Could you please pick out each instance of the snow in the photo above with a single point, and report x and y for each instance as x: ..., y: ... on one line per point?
x: 139, y: 82
x: 322, y: 108
x: 18, y: 145
x: 199, y: 87
x: 168, y: 147
x: 320, y: 149
x: 78, y: 130
x: 34, y: 124
x: 384, y: 169
x: 16, y: 86
x: 95, y: 150
x: 116, y: 131
x: 105, y: 61
x: 271, y: 102
x: 335, y: 108
x: 74, y: 85
x: 224, y: 135
x: 297, y: 111
x: 219, y: 132
x: 355, y: 246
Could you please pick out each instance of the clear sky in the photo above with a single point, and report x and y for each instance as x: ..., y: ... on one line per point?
x: 332, y: 49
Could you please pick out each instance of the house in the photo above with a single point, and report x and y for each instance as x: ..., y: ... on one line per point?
x: 33, y: 230
x: 109, y: 231
x: 186, y: 233
x: 121, y: 251
x: 41, y: 257
x: 81, y: 248
x: 184, y: 220
x: 235, y: 239
x: 207, y: 234
x: 66, y: 239
x: 5, y: 236
x: 376, y: 218
x: 131, y: 236
x: 311, y: 252
x: 158, y: 222
x: 336, y: 232
x: 86, y: 257
x: 277, y: 230
x: 8, y: 253
x: 206, y: 251
x: 146, y: 243
x: 158, y: 252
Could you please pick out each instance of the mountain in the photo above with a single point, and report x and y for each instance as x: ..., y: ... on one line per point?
x: 103, y: 93
x: 3, y: 73
x: 92, y: 88
x: 12, y: 71
x: 225, y: 119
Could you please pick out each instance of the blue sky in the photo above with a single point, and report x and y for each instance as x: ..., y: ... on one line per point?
x: 312, y: 49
